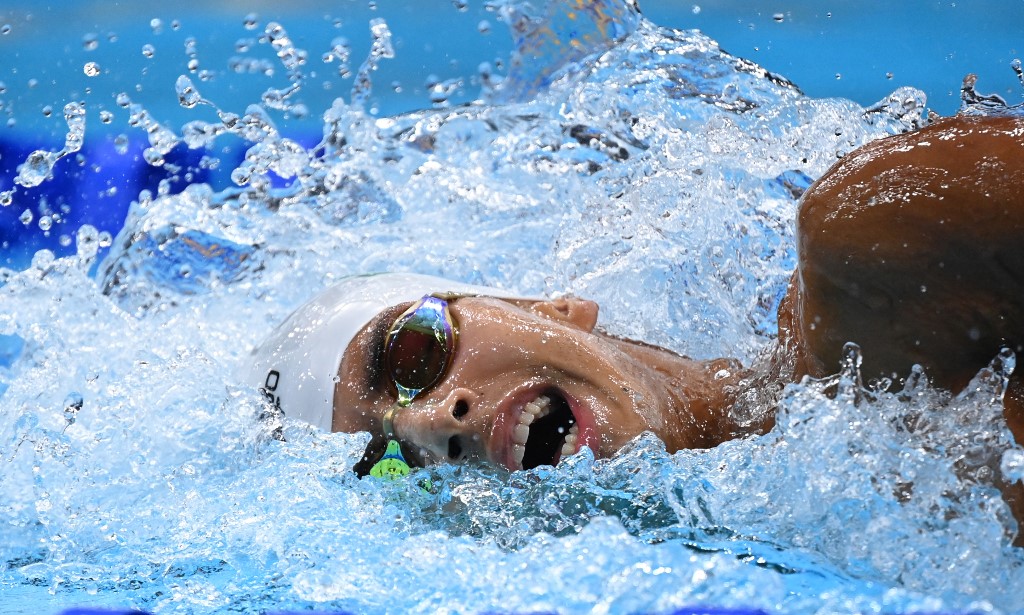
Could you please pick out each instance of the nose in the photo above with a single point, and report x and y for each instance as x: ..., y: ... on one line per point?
x: 445, y: 428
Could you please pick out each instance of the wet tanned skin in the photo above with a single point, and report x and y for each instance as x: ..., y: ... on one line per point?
x: 912, y: 247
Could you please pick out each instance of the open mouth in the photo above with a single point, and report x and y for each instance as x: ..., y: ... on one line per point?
x: 546, y: 431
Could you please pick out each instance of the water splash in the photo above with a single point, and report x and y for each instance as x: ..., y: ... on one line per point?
x: 39, y: 164
x: 652, y: 172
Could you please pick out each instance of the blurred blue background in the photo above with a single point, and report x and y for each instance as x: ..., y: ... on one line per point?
x: 860, y: 50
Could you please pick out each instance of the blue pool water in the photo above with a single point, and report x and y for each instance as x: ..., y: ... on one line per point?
x: 607, y: 156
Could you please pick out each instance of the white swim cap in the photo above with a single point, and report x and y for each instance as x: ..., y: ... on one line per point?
x: 297, y: 365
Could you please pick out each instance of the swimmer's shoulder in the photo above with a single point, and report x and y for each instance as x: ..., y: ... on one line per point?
x: 960, y: 176
x: 912, y: 247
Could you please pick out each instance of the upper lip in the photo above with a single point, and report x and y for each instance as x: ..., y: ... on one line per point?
x: 499, y: 448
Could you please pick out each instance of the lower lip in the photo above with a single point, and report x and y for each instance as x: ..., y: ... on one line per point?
x: 506, y: 421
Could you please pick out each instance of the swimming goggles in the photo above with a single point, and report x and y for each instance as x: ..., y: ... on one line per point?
x: 418, y: 351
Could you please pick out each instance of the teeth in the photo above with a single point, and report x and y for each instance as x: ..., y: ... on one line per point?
x: 537, y: 408
x: 521, y: 433
x: 518, y: 452
x: 532, y: 411
x: 569, y: 446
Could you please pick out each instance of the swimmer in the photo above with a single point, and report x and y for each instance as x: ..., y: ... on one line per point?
x: 910, y: 246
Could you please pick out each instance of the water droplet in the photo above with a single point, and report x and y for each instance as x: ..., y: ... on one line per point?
x: 252, y: 21
x: 188, y: 97
x: 779, y: 17
x: 87, y: 242
x: 72, y: 404
x: 106, y: 117
x: 148, y: 50
x: 35, y: 169
x: 157, y: 25
x: 91, y: 69
x: 696, y: 9
x: 90, y: 42
x: 153, y: 157
x: 26, y: 217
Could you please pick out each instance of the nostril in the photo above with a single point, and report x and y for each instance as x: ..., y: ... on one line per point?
x: 454, y: 448
x: 461, y: 409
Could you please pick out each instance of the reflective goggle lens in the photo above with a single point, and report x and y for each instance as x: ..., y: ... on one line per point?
x: 419, y: 348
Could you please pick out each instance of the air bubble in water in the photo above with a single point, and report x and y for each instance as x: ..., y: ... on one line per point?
x: 839, y: 76
x: 123, y: 100
x: 779, y: 17
x: 90, y: 42
x: 91, y: 69
x: 1017, y: 68
x: 484, y: 27
x: 252, y: 21
x: 148, y: 50
x: 106, y: 117
x: 157, y: 25
x: 47, y: 111
x: 121, y: 144
x: 6, y: 198
x: 5, y: 29
x: 26, y: 217
x: 45, y: 223
x: 64, y: 240
x: 175, y: 24
x: 105, y: 239
x: 461, y: 5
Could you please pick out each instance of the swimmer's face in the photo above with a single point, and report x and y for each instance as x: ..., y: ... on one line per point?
x: 525, y: 381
